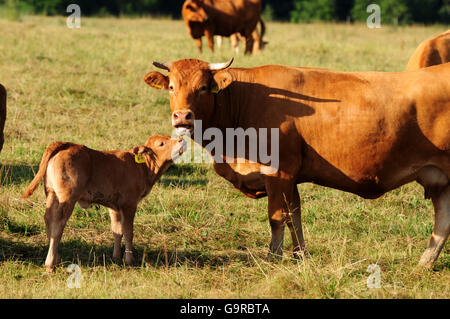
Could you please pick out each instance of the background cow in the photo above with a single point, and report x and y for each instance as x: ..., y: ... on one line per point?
x: 224, y: 18
x: 2, y: 114
x: 364, y: 133
x: 431, y: 52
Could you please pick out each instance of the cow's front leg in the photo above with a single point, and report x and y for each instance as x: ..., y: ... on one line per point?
x: 441, y: 231
x: 198, y: 43
x: 280, y: 205
x: 294, y: 222
x: 210, y: 37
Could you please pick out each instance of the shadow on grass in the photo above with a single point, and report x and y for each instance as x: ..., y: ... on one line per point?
x: 91, y: 255
x: 184, y: 175
x: 25, y: 230
x: 17, y: 174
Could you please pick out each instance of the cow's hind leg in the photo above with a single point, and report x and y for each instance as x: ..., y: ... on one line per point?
x: 441, y: 228
x: 256, y: 42
x: 116, y: 227
x: 234, y: 39
x: 437, y: 186
x: 56, y: 216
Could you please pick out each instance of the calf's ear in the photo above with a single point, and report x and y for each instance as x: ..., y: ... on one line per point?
x: 220, y: 81
x: 157, y: 80
x: 138, y: 150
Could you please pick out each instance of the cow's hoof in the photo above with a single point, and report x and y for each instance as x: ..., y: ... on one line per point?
x: 129, y: 259
x: 117, y: 257
x: 427, y: 259
x: 300, y: 254
x: 274, y: 257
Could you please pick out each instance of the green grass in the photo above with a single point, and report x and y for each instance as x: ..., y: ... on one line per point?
x: 195, y: 236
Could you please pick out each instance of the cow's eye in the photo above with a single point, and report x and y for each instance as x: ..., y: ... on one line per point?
x: 171, y: 87
x: 203, y: 88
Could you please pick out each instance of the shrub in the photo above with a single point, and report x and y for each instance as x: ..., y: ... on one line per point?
x: 305, y: 10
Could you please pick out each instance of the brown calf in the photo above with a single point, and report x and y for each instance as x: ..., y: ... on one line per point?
x: 118, y: 180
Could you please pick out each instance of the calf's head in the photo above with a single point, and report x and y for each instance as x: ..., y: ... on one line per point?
x: 160, y: 151
x: 192, y: 85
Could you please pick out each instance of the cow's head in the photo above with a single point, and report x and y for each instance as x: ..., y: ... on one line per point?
x: 193, y: 10
x: 192, y: 85
x: 195, y: 17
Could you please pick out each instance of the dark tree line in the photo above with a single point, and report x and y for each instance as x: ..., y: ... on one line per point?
x: 392, y: 11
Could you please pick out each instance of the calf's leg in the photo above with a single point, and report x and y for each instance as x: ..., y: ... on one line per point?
x: 56, y: 215
x: 116, y: 227
x: 127, y: 229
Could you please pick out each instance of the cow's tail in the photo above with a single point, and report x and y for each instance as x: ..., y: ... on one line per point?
x: 263, y: 28
x: 263, y: 31
x: 51, y: 151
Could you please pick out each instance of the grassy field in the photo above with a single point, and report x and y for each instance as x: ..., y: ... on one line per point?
x: 195, y: 235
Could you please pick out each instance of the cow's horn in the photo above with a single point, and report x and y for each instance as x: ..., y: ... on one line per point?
x: 164, y: 66
x: 220, y: 66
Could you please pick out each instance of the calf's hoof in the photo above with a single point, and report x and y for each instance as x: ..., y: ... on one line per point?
x: 49, y: 269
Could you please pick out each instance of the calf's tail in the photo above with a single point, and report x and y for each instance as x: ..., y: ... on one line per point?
x: 51, y: 151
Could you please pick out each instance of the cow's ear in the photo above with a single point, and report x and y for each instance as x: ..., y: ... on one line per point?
x: 157, y: 80
x: 220, y: 81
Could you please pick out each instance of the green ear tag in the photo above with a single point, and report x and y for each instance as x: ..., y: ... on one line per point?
x: 139, y: 158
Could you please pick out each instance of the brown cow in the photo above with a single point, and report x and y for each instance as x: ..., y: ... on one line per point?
x: 363, y: 133
x: 118, y: 180
x: 2, y: 114
x: 431, y: 52
x: 224, y: 18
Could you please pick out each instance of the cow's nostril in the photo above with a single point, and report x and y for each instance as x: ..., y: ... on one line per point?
x: 175, y: 115
x: 188, y: 116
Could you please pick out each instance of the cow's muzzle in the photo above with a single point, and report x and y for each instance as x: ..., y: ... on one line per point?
x: 183, y: 122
